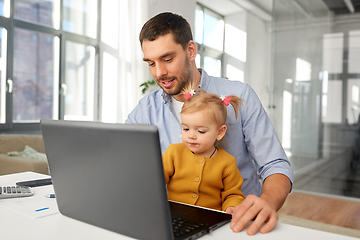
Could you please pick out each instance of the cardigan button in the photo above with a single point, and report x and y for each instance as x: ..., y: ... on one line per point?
x: 194, y: 195
x: 197, y: 179
x: 201, y: 160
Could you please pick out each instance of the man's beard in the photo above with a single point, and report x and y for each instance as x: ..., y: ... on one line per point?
x: 183, y: 80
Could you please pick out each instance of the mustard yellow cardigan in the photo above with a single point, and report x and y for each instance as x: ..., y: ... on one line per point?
x: 208, y: 182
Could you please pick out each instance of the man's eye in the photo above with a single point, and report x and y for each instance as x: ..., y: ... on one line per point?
x: 168, y: 60
x: 151, y: 64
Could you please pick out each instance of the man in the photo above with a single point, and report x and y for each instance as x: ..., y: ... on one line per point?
x: 170, y: 52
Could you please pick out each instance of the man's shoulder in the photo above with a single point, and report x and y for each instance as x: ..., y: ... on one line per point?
x: 147, y: 105
x: 219, y: 85
x: 226, y: 82
x: 152, y: 96
x: 225, y: 86
x: 154, y: 100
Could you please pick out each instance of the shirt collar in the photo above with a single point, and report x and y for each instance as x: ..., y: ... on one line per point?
x: 166, y: 97
x: 204, y: 81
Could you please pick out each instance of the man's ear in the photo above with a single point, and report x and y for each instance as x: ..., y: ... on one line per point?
x: 221, y: 132
x: 192, y: 50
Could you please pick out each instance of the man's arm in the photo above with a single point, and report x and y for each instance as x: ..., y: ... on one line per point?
x: 275, y: 189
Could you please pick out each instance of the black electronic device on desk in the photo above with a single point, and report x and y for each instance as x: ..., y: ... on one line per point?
x: 35, y: 183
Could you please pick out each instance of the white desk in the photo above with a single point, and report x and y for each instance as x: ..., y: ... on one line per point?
x: 15, y: 225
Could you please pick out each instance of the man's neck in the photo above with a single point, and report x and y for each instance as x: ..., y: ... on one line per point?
x: 195, y: 80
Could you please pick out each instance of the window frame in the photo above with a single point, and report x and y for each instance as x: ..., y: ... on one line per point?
x: 206, y: 51
x: 10, y: 24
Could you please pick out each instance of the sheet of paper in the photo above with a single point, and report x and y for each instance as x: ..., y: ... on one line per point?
x: 35, y: 206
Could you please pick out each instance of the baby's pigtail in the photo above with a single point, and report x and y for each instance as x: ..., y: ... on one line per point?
x: 235, y: 101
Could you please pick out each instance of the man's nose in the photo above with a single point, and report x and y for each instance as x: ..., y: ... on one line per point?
x: 160, y: 71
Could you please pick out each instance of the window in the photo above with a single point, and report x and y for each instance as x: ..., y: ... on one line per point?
x: 341, y: 56
x: 42, y: 12
x: 331, y: 101
x: 221, y: 45
x: 353, y: 100
x: 354, y: 52
x: 5, y: 8
x: 333, y: 44
x: 213, y: 32
x: 79, y: 81
x: 212, y: 66
x: 33, y: 75
x: 303, y: 70
x: 80, y: 17
x: 48, y: 61
x: 3, y: 51
x: 109, y: 89
x: 209, y: 35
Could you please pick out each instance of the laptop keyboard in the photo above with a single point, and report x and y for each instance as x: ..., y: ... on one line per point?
x: 182, y: 226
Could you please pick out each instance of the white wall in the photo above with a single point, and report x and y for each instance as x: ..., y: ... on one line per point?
x: 258, y: 64
x: 185, y: 8
x: 237, y: 20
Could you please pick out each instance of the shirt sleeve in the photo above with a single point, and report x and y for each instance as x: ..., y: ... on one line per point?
x: 138, y: 114
x: 232, y: 181
x: 261, y: 139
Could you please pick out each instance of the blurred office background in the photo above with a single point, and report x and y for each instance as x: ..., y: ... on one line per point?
x: 81, y: 60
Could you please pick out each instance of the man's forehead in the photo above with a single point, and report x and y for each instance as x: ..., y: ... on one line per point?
x: 160, y: 47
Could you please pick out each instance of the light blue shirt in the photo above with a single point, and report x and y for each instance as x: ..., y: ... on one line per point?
x: 251, y: 138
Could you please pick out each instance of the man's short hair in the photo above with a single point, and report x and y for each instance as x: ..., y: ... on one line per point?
x: 165, y: 23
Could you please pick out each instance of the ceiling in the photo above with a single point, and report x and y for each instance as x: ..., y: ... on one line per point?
x: 263, y: 8
x: 343, y: 6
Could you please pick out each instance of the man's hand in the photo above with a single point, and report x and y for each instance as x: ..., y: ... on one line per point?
x: 250, y: 208
x: 262, y: 209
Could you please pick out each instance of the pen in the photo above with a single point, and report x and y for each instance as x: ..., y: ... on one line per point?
x: 41, y: 209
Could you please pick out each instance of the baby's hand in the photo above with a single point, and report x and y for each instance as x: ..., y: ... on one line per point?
x: 230, y: 210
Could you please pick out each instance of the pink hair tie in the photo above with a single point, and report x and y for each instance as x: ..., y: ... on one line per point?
x: 226, y: 99
x: 188, y: 95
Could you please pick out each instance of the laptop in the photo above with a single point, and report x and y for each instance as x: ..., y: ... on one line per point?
x: 111, y: 176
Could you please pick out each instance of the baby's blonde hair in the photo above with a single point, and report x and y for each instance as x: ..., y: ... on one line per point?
x: 211, y: 103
